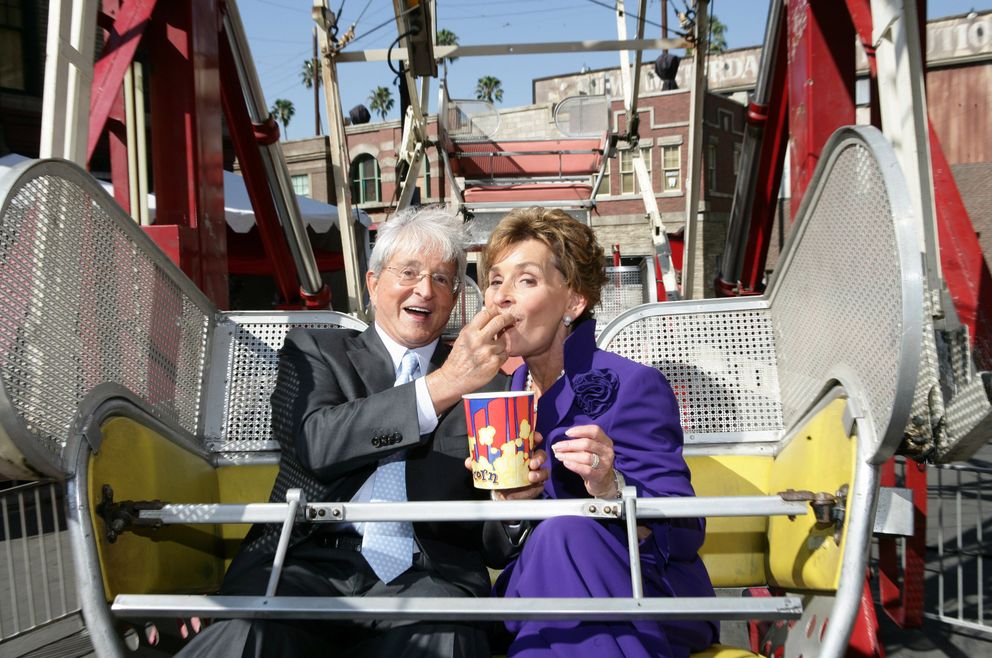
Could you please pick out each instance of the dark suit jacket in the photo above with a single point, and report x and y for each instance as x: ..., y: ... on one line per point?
x: 336, y: 413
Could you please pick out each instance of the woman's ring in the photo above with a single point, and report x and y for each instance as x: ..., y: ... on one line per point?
x: 595, y: 460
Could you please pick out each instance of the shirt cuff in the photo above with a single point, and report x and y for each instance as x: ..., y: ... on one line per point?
x: 425, y: 407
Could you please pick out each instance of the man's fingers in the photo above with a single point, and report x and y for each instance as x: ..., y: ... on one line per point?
x: 497, y: 324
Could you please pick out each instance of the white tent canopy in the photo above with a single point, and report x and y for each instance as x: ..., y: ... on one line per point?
x: 237, y: 206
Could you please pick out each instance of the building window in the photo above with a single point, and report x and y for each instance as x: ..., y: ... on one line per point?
x: 424, y: 180
x: 671, y: 166
x: 726, y: 120
x: 604, y: 185
x: 711, y: 166
x: 366, y: 186
x: 301, y: 184
x: 737, y: 158
x: 628, y: 182
x: 12, y: 42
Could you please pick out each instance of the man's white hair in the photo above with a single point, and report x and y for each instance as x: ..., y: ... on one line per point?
x: 428, y: 230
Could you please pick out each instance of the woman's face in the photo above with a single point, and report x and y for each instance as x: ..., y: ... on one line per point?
x: 525, y: 282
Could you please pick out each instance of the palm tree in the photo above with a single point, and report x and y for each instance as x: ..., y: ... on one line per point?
x: 447, y: 38
x: 307, y: 74
x: 489, y: 88
x: 718, y: 36
x: 381, y: 101
x: 282, y: 109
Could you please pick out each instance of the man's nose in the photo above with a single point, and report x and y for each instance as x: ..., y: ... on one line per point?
x: 425, y: 287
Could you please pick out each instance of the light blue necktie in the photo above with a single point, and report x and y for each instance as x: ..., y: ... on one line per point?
x: 388, y: 545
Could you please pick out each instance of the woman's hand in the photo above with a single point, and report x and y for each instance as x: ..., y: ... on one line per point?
x: 537, y: 476
x: 588, y: 452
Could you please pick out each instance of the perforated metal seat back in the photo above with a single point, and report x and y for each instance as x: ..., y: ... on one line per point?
x: 623, y: 290
x: 244, y: 364
x: 86, y: 299
x: 719, y: 358
x: 470, y: 301
x: 847, y: 298
x: 846, y: 306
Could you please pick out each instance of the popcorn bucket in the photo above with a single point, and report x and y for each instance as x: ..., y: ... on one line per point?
x: 500, y: 437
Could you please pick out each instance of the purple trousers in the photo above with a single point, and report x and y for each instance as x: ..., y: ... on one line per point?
x: 578, y: 557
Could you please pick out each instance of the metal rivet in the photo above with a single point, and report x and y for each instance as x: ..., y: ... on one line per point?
x: 321, y: 512
x: 336, y: 512
x: 592, y: 509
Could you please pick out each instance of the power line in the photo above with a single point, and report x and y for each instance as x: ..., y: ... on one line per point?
x: 628, y: 13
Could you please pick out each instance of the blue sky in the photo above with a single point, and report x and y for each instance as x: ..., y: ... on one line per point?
x: 279, y: 33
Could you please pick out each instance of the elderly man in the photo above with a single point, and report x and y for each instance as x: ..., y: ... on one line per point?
x: 372, y: 416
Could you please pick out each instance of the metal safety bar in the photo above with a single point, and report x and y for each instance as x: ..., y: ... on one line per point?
x: 587, y: 203
x: 296, y: 509
x: 958, y: 517
x: 463, y: 608
x: 470, y: 510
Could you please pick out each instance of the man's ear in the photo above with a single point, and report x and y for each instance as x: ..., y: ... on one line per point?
x: 371, y: 284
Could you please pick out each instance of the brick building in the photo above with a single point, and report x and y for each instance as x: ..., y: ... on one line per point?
x: 619, y: 216
x: 959, y: 79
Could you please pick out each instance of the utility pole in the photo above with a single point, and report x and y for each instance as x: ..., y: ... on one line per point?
x: 315, y: 77
x: 664, y: 24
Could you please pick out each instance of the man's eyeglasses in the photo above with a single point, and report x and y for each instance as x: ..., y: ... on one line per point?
x: 408, y: 277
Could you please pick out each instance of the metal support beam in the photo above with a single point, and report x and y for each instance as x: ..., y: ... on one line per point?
x: 340, y: 160
x: 133, y: 16
x: 821, y: 84
x: 465, y: 510
x: 68, y: 78
x: 762, y: 161
x: 494, y: 50
x: 244, y: 136
x: 314, y: 292
x: 905, y: 123
x: 447, y: 608
x: 187, y: 149
x: 629, y: 83
x: 690, y: 287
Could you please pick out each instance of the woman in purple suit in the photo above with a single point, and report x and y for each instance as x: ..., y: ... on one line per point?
x: 609, y: 422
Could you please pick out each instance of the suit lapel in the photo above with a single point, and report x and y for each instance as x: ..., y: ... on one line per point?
x: 372, y: 361
x: 441, y: 353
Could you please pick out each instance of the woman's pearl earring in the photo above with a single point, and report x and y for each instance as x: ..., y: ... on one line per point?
x: 567, y: 320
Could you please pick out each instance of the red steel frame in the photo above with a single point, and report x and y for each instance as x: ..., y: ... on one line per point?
x: 901, y: 582
x: 194, y: 79
x: 821, y: 83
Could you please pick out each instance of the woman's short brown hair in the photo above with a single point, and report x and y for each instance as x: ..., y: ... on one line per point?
x: 574, y: 248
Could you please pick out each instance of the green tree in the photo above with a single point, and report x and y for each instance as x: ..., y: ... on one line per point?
x: 447, y: 38
x: 489, y: 89
x: 307, y: 73
x: 282, y: 109
x: 381, y: 101
x: 718, y: 36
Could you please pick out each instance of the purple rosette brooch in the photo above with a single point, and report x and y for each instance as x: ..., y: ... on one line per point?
x: 595, y: 391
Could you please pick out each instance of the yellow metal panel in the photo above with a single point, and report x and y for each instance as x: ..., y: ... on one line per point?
x: 721, y: 651
x: 820, y: 457
x: 735, y: 547
x: 243, y: 484
x: 140, y: 464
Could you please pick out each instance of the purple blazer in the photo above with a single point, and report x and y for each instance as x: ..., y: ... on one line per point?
x: 635, y: 406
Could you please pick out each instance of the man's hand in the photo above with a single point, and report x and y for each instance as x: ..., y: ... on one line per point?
x: 475, y: 359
